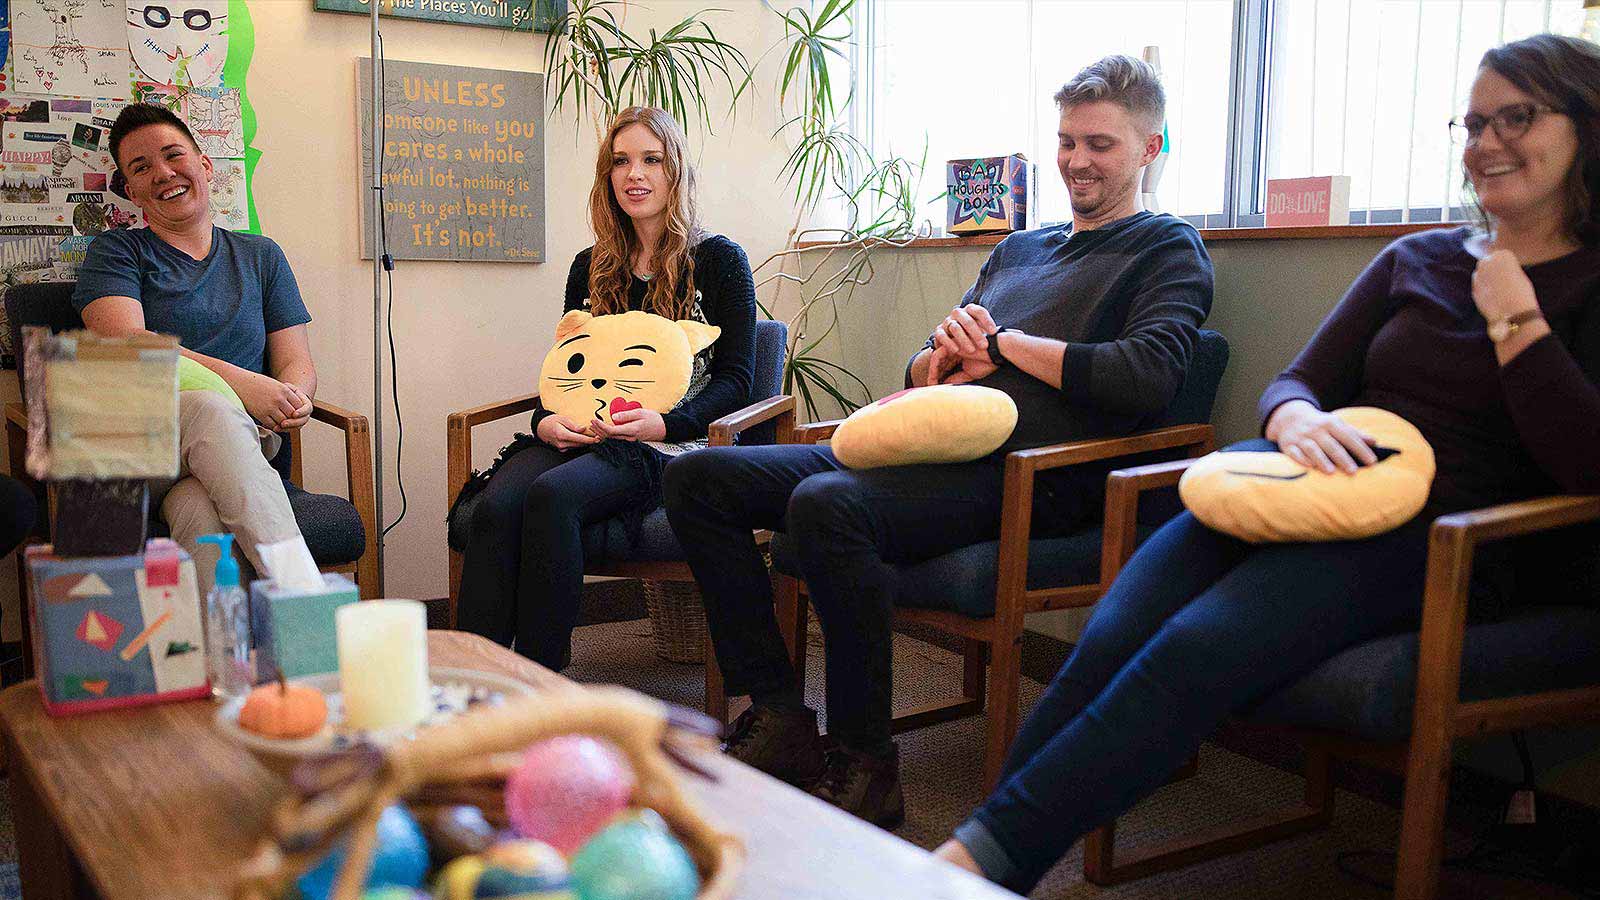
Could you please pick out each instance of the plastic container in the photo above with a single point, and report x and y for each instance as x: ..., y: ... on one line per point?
x: 227, y: 614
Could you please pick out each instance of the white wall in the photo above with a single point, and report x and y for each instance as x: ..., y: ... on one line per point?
x: 466, y: 333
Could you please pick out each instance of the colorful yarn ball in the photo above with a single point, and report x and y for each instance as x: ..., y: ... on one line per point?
x: 394, y: 892
x: 524, y: 870
x: 566, y: 789
x: 399, y: 858
x: 636, y: 858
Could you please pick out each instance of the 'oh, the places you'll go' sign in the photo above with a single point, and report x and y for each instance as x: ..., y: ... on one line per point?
x: 518, y: 15
x: 462, y: 162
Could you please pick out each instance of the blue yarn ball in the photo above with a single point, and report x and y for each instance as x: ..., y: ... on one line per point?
x: 400, y: 857
x: 635, y: 858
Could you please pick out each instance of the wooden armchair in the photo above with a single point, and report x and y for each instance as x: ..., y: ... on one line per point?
x: 980, y: 594
x: 1418, y: 692
x: 1029, y: 575
x: 342, y: 533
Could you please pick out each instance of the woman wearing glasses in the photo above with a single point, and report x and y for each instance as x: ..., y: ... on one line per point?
x: 1486, y: 338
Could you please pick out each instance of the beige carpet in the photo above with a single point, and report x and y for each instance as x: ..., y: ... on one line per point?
x: 940, y: 772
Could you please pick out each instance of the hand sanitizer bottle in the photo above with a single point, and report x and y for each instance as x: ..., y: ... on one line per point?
x: 227, y: 615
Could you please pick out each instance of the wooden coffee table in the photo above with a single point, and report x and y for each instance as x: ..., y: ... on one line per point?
x: 153, y: 802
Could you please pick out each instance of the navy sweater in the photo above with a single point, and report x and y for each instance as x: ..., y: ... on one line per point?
x: 1127, y: 299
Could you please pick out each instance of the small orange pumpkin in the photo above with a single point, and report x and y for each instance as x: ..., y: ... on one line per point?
x: 283, y: 710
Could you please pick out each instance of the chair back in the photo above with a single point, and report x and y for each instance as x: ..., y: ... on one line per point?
x: 772, y: 345
x: 49, y: 304
x: 1198, y: 393
x: 45, y: 303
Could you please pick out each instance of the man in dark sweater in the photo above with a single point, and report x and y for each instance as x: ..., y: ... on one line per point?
x: 1088, y: 327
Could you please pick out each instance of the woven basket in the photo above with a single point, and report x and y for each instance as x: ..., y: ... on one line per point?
x: 467, y: 761
x: 677, y: 620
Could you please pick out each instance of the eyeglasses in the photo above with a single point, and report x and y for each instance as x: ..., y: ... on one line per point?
x: 157, y: 16
x: 1509, y: 122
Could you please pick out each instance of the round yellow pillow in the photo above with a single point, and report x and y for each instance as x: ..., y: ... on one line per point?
x: 941, y: 423
x: 1266, y: 497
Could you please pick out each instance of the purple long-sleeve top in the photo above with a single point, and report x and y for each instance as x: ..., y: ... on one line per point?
x: 1407, y: 338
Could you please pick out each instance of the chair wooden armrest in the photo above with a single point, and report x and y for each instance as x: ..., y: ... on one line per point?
x: 458, y: 437
x: 781, y: 407
x: 815, y: 432
x: 1123, y: 488
x: 1012, y: 597
x: 358, y: 479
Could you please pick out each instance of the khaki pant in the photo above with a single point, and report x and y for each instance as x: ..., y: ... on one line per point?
x: 225, y: 484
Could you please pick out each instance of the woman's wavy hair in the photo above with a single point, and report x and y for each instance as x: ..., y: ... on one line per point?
x: 1564, y: 73
x: 671, y: 291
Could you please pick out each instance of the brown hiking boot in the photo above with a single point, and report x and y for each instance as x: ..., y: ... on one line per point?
x: 781, y: 743
x: 864, y: 785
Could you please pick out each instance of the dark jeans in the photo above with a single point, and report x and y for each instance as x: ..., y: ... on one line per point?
x: 850, y: 529
x: 1197, y: 626
x: 522, y: 572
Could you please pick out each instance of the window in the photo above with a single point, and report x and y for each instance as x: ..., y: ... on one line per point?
x: 1366, y: 89
x: 976, y: 78
x: 1317, y: 87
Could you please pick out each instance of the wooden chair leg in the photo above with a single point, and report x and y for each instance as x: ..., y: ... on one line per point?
x: 455, y: 584
x: 1101, y: 867
x: 716, y: 695
x: 974, y: 662
x: 1422, y: 819
x: 794, y: 614
x: 1005, y: 660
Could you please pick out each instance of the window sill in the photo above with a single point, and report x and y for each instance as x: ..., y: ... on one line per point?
x: 1206, y: 234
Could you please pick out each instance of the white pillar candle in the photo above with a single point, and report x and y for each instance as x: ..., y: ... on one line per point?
x: 383, y: 663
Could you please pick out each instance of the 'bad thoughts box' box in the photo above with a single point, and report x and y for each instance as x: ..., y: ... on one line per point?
x: 988, y: 194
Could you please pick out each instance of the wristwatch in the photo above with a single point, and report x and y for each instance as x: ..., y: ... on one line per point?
x: 994, y: 344
x: 1500, y: 329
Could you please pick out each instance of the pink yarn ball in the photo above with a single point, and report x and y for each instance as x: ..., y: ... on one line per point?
x: 567, y: 789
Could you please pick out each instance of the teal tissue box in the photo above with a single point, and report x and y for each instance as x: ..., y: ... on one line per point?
x: 293, y: 630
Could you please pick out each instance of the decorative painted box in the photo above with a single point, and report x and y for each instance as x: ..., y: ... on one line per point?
x: 989, y: 194
x: 116, y: 631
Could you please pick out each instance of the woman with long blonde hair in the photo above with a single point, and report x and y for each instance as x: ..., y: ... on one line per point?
x: 524, y: 556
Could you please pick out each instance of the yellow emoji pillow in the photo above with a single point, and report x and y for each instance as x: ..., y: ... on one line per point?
x: 606, y: 364
x: 1266, y: 497
x: 941, y: 423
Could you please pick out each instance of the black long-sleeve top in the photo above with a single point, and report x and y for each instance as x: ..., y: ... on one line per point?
x: 1407, y: 338
x: 725, y: 297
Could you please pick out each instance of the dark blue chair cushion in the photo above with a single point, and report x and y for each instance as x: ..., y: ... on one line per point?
x: 331, y: 525
x: 772, y: 340
x: 608, y: 540
x: 1369, y: 690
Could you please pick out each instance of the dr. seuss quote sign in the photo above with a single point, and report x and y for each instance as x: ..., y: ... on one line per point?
x: 463, y: 162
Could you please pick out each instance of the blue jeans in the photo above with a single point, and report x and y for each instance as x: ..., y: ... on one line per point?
x: 851, y: 529
x: 1197, y: 626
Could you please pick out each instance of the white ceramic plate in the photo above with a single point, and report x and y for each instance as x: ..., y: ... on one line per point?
x: 452, y: 690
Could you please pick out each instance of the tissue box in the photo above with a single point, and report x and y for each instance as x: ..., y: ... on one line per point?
x: 115, y: 631
x: 988, y: 194
x: 294, y: 629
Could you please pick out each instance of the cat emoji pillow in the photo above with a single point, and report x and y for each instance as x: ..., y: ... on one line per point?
x: 602, y: 365
x: 1266, y: 497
